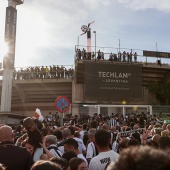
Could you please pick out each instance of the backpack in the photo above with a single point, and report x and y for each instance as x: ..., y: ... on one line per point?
x: 56, y: 150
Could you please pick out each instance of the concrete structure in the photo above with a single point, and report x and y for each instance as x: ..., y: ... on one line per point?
x: 27, y: 95
x: 9, y: 58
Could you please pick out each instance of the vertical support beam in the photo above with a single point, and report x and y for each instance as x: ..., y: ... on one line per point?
x: 9, y: 58
x: 124, y: 112
x: 6, y: 90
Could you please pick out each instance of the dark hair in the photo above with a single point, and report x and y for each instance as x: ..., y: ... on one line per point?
x: 72, y: 142
x: 60, y: 161
x: 164, y: 142
x: 93, y: 124
x: 102, y: 138
x: 133, y: 142
x: 75, y: 162
x: 72, y: 130
x: 84, y: 126
x: 123, y: 143
x: 77, y: 134
x: 141, y: 158
x: 152, y: 144
x: 45, y: 165
x: 58, y: 134
x: 136, y: 136
x: 69, y: 155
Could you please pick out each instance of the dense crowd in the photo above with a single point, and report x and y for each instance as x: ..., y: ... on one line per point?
x: 137, y: 141
x: 120, y: 56
x: 43, y: 72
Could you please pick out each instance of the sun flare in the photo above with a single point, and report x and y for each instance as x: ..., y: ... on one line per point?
x: 3, y: 49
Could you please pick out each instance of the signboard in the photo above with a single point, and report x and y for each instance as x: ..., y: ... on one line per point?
x: 62, y: 104
x: 156, y: 54
x: 10, y: 36
x: 115, y: 81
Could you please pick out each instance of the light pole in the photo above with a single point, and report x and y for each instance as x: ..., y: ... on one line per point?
x: 9, y: 58
x: 95, y: 43
x: 78, y: 42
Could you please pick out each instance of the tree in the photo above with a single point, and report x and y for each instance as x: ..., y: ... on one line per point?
x: 161, y: 91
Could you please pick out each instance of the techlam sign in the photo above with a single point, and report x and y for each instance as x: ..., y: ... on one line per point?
x: 116, y: 81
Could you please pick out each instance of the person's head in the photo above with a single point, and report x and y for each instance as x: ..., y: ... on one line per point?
x: 72, y: 130
x: 28, y: 145
x: 29, y: 124
x: 91, y: 134
x: 77, y: 164
x: 168, y: 127
x: 93, y: 124
x: 102, y: 138
x: 84, y: 126
x: 70, y: 145
x: 77, y: 134
x: 156, y: 138
x: 45, y: 165
x: 58, y: 134
x: 158, y: 131
x: 50, y: 139
x: 69, y: 155
x: 6, y: 134
x: 122, y: 144
x: 136, y: 136
x: 165, y: 133
x: 135, y: 127
x: 132, y: 143
x: 66, y: 133
x: 164, y: 143
x: 141, y: 158
x: 152, y: 144
x: 64, y: 164
x: 105, y: 127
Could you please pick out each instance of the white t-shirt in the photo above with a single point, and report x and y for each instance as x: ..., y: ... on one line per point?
x: 82, y: 157
x: 37, y: 154
x: 100, y: 161
x: 91, y: 150
x: 82, y: 134
x: 61, y: 148
x: 81, y: 144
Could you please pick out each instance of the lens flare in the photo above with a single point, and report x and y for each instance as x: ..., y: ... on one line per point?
x: 3, y: 49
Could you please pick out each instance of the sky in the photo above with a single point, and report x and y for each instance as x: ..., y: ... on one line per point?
x: 49, y: 30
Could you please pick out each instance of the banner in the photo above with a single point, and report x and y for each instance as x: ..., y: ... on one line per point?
x: 113, y: 81
x: 156, y: 54
x: 128, y: 133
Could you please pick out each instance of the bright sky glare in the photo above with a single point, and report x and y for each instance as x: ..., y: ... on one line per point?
x: 48, y: 30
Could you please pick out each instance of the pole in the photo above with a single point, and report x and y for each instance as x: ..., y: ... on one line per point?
x: 9, y: 58
x: 78, y: 42
x: 95, y: 43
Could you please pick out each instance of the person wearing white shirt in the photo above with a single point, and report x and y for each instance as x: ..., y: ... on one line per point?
x: 105, y: 156
x: 91, y: 149
x: 51, y: 144
x: 72, y: 145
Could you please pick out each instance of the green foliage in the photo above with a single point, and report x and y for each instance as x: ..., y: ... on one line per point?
x: 161, y: 91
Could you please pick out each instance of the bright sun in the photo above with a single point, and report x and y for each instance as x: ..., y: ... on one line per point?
x: 3, y: 49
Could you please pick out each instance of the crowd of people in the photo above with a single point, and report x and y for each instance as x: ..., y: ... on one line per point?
x: 120, y: 56
x: 137, y: 141
x: 43, y: 72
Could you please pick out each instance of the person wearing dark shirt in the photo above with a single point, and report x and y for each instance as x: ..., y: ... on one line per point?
x: 11, y: 156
